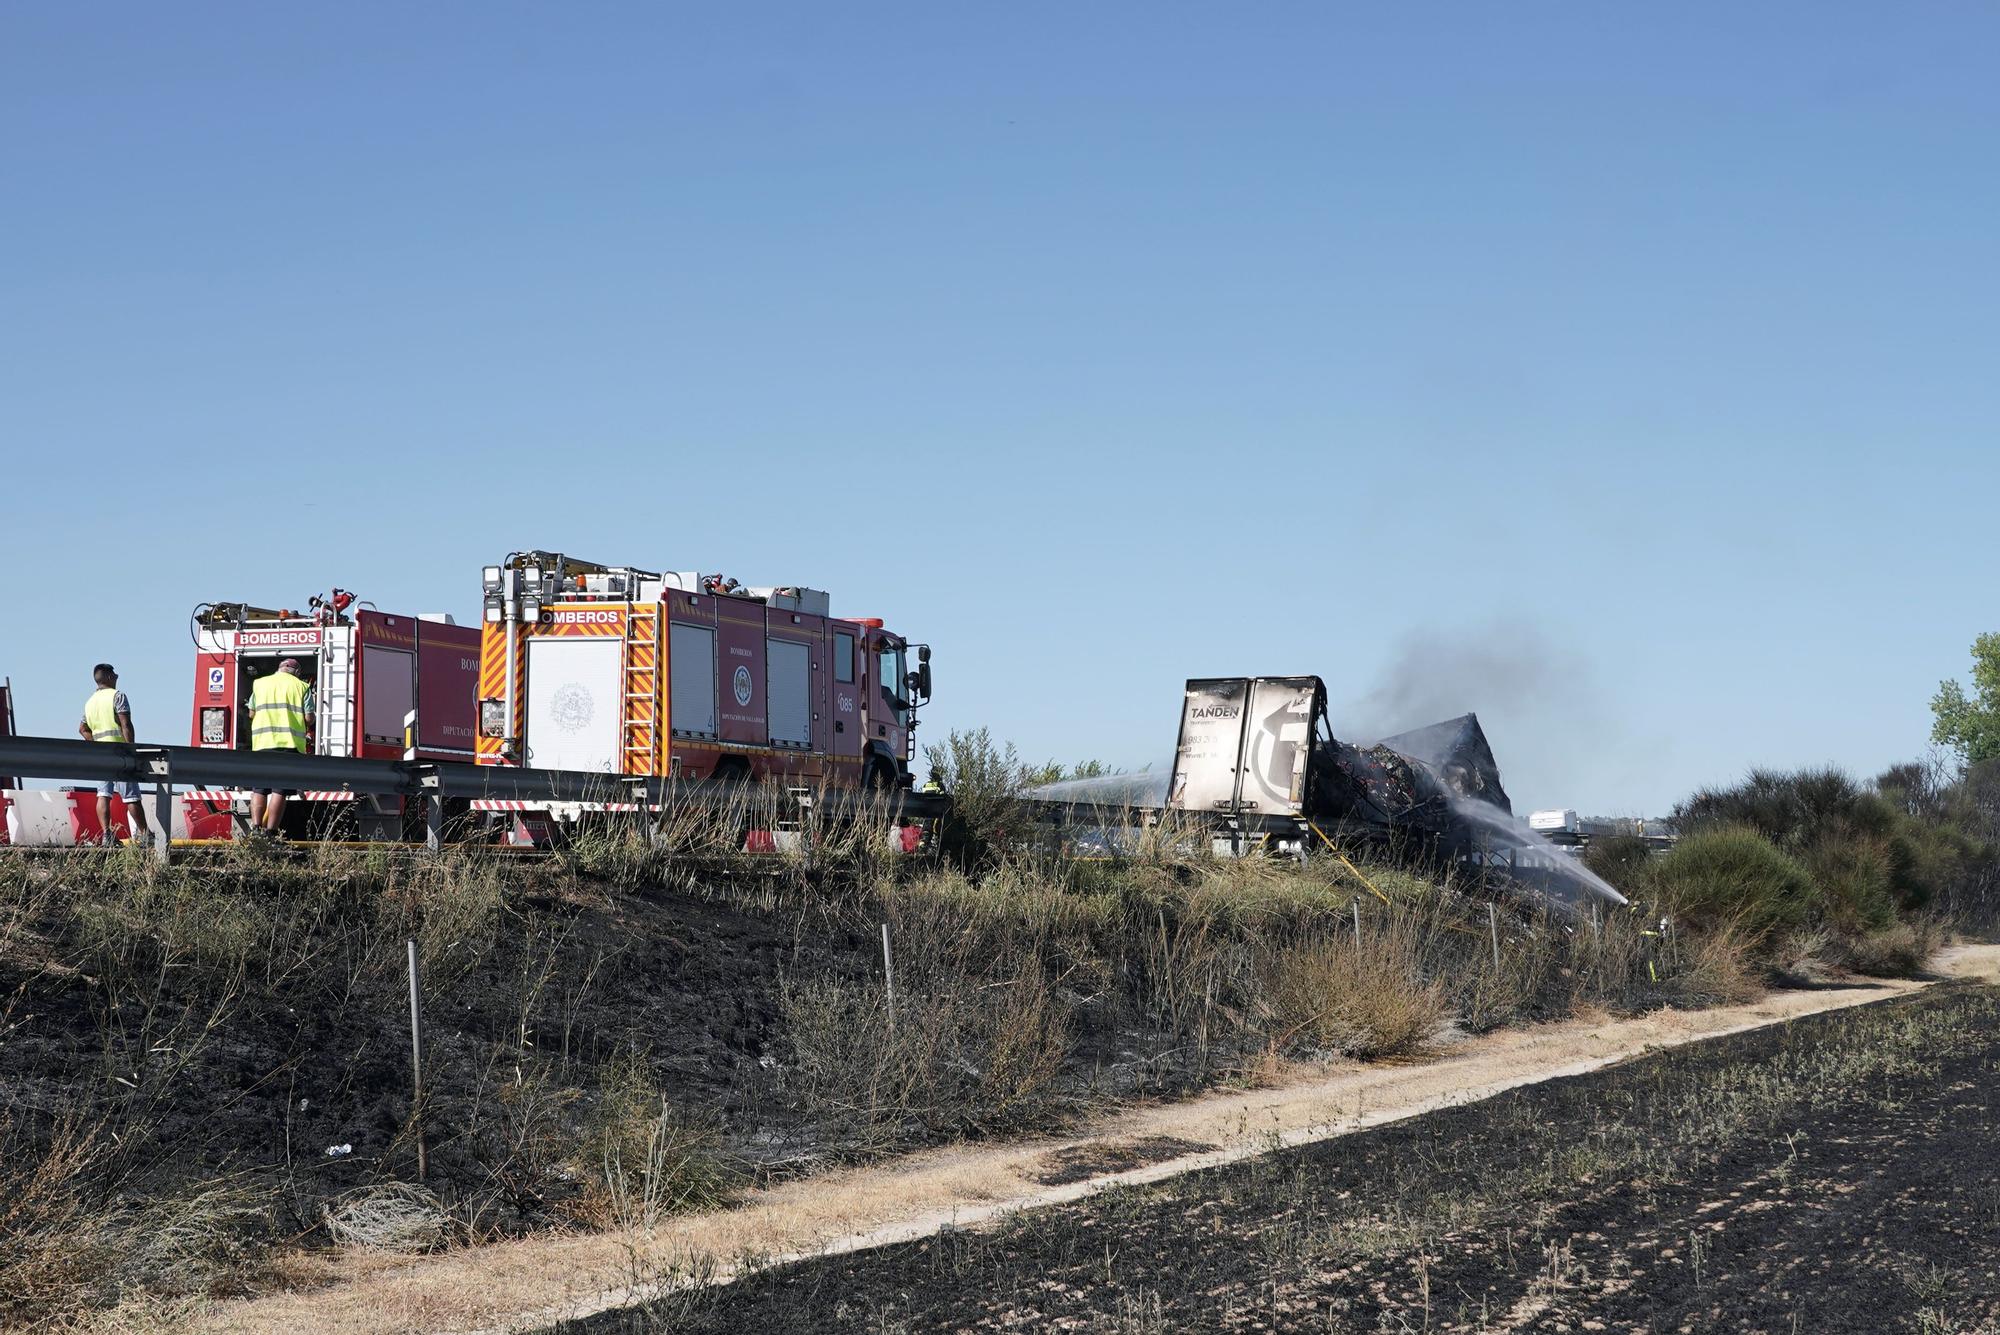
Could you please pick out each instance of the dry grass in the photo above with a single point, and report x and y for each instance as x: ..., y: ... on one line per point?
x: 388, y: 1216
x: 53, y: 1238
x: 967, y: 1185
x: 1368, y: 1000
x: 1021, y: 995
x: 978, y: 1057
x: 75, y: 1230
x: 1902, y: 950
x: 1718, y: 968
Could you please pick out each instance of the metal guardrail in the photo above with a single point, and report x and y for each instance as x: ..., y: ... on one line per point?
x: 161, y: 767
x: 432, y: 782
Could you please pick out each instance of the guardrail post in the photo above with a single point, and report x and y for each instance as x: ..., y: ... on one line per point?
x: 803, y: 813
x: 638, y: 789
x: 156, y: 767
x: 433, y: 800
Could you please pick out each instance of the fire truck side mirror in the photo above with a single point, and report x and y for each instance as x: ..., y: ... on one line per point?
x: 919, y: 682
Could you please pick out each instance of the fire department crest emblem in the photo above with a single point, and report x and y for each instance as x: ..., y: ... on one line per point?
x: 742, y: 684
x: 571, y: 708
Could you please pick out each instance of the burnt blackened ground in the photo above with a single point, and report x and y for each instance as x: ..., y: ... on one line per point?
x: 245, y: 1020
x: 1834, y: 1174
x: 242, y: 1022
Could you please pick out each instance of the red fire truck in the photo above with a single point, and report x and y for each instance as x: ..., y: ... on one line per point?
x: 617, y: 670
x: 369, y: 670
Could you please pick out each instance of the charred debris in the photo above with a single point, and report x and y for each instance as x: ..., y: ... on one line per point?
x: 1257, y: 760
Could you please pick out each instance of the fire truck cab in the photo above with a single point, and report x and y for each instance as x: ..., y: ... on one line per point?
x: 369, y: 671
x: 617, y: 670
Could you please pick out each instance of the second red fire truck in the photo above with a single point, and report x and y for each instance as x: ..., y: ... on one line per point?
x: 618, y: 670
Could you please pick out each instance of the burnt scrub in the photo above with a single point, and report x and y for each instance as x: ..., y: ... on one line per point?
x: 216, y: 1056
x: 1835, y: 1173
x: 205, y: 1070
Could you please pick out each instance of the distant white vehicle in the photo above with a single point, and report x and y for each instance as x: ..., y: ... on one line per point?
x: 1555, y: 822
x: 1565, y: 826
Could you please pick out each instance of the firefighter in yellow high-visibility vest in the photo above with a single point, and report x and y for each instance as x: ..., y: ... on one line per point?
x: 107, y: 717
x: 279, y: 709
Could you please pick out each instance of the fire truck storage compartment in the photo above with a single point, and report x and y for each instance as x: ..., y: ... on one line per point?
x: 574, y: 702
x: 252, y: 668
x: 214, y: 698
x: 447, y: 685
x: 388, y: 693
x: 691, y: 673
x: 788, y: 682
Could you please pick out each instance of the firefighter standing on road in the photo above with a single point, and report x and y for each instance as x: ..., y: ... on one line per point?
x: 107, y: 717
x: 278, y: 710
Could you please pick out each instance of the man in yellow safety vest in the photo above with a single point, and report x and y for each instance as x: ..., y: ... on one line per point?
x: 278, y: 713
x: 107, y: 717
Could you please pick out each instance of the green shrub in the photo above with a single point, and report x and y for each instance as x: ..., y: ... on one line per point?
x: 1790, y: 810
x: 642, y: 1158
x: 1857, y: 882
x: 1623, y: 860
x: 1915, y: 839
x: 985, y: 781
x: 1734, y: 875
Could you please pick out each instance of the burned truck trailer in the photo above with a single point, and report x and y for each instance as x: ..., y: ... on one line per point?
x: 1257, y: 762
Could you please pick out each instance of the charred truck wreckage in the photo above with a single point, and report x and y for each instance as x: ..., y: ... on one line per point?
x: 1257, y: 761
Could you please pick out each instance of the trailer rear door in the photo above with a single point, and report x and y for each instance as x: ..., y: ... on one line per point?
x: 1275, y: 744
x: 1206, y: 760
x: 573, y: 703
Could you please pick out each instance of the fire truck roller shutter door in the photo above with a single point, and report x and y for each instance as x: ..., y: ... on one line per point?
x: 388, y: 693
x: 574, y: 702
x: 691, y: 650
x: 447, y: 686
x: 788, y: 684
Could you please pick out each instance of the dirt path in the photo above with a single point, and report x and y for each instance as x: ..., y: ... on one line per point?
x: 534, y: 1282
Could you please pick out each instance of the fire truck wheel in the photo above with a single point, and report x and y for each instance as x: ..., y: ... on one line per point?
x: 876, y: 775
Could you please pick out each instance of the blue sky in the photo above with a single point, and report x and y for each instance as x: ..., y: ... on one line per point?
x: 1624, y: 376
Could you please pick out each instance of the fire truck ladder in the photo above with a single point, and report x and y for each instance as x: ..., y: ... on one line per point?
x: 335, y: 688
x: 640, y: 739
